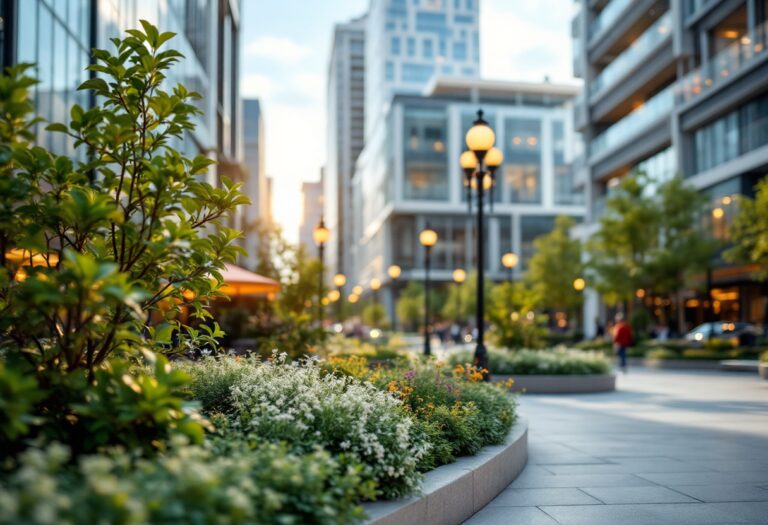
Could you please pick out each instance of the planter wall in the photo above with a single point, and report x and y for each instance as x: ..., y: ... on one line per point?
x: 561, y: 384
x: 676, y: 364
x: 451, y: 494
x: 763, y: 370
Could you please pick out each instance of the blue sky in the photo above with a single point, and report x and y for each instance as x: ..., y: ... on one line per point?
x: 285, y: 46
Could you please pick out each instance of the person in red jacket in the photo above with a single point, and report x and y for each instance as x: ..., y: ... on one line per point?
x: 622, y: 340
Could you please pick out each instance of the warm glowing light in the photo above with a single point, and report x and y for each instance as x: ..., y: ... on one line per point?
x: 727, y: 200
x: 325, y: 301
x: 438, y: 146
x: 487, y: 182
x: 321, y: 234
x: 375, y: 333
x: 579, y: 284
x: 468, y: 161
x: 394, y: 271
x: 530, y: 316
x: 459, y: 275
x: 640, y: 293
x: 428, y: 238
x: 718, y: 213
x: 375, y: 284
x: 514, y: 316
x: 730, y: 33
x: 334, y: 295
x: 494, y: 158
x: 339, y: 280
x: 532, y: 141
x: 357, y: 290
x: 480, y: 138
x: 353, y: 298
x: 517, y: 141
x: 745, y: 40
x: 510, y: 260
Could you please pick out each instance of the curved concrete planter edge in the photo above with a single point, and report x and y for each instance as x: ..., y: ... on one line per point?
x: 763, y: 370
x: 451, y: 494
x: 561, y: 384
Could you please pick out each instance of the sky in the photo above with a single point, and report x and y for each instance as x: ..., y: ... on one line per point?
x: 284, y: 60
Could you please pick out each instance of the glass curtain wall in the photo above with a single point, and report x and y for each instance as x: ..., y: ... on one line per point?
x: 425, y: 133
x: 522, y: 164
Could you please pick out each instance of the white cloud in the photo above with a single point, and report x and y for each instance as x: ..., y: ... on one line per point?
x: 253, y: 85
x: 279, y: 49
x: 526, y: 40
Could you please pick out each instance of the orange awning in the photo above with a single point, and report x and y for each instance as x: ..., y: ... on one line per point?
x: 239, y: 281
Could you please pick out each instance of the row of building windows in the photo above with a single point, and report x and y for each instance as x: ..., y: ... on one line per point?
x: 426, y: 163
x: 427, y: 48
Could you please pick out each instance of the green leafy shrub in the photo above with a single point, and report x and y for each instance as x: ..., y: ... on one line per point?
x: 704, y: 354
x: 764, y: 357
x: 719, y: 345
x: 662, y: 353
x: 548, y: 362
x: 594, y: 344
x: 264, y: 486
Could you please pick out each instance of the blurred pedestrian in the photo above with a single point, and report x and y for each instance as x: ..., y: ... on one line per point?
x: 622, y: 340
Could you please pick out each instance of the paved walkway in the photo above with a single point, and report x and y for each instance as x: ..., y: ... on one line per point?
x: 672, y: 448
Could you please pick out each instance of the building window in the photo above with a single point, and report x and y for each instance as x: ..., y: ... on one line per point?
x: 395, y: 46
x: 428, y: 49
x: 522, y: 165
x: 426, y: 165
x: 460, y: 50
x: 732, y: 135
x: 417, y: 73
x: 411, y: 47
x: 390, y: 71
x: 404, y: 241
x: 565, y: 192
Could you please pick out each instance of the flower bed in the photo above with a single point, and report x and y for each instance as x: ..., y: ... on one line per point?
x: 542, y: 362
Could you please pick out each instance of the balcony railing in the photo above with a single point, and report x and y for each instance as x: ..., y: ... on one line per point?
x: 635, y: 122
x: 630, y: 57
x: 607, y: 16
x: 724, y: 65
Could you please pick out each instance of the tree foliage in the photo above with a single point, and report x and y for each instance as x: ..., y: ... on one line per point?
x: 555, y: 266
x: 749, y: 230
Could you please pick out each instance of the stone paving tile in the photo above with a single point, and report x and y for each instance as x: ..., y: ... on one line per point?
x: 580, y: 480
x: 632, y: 468
x: 565, y: 459
x: 511, y: 515
x: 724, y: 493
x: 537, y: 497
x: 752, y: 513
x: 619, y: 495
x: 707, y: 478
x: 657, y: 514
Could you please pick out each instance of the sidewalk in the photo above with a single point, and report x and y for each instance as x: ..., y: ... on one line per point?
x: 667, y: 448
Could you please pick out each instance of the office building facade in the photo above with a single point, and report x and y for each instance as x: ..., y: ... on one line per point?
x: 311, y: 213
x: 256, y: 185
x: 677, y: 88
x: 345, y: 133
x: 415, y: 180
x: 57, y: 36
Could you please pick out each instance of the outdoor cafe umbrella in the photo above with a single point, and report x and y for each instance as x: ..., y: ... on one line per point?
x: 239, y: 282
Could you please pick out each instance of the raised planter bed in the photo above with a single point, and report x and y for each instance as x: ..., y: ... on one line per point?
x: 451, y: 494
x: 561, y: 384
x: 740, y: 365
x: 763, y: 370
x: 676, y: 364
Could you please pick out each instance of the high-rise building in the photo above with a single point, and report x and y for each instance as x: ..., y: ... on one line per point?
x: 677, y: 88
x: 311, y: 213
x: 345, y: 110
x: 410, y: 41
x: 57, y: 36
x: 415, y: 180
x: 255, y: 186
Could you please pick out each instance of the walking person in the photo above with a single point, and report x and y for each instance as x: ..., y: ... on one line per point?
x: 622, y: 340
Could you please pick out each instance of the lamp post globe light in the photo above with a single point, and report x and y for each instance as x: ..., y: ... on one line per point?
x: 339, y: 280
x: 394, y: 272
x: 579, y: 284
x: 480, y: 143
x: 427, y: 238
x: 321, y: 234
x: 459, y: 276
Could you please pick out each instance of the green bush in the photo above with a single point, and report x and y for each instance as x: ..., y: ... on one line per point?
x: 662, y: 353
x: 548, y: 362
x: 704, y: 354
x: 764, y: 357
x: 264, y: 486
x: 719, y: 345
x: 595, y: 344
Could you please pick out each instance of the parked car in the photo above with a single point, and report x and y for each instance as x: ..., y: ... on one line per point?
x: 741, y: 334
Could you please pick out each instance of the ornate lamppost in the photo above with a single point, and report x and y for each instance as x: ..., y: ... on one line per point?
x: 394, y: 272
x: 321, y: 234
x: 509, y: 261
x: 427, y: 238
x: 459, y: 276
x: 481, y: 155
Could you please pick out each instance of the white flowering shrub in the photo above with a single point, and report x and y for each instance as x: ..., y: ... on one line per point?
x: 297, y: 403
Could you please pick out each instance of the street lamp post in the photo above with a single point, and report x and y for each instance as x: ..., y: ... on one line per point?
x: 394, y: 272
x: 321, y: 234
x: 427, y: 238
x: 339, y: 280
x: 459, y: 276
x: 509, y: 261
x: 480, y: 140
x: 579, y: 284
